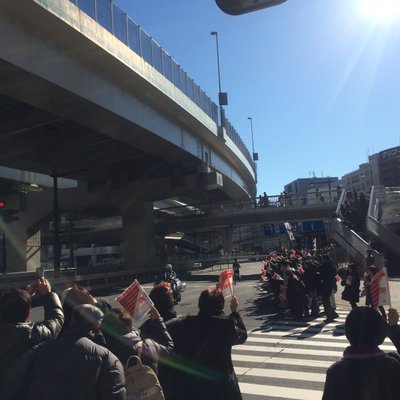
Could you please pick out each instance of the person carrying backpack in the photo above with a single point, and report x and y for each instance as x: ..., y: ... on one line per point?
x: 124, y: 340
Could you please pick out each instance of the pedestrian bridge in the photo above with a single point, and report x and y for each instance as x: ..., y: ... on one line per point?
x: 239, y: 213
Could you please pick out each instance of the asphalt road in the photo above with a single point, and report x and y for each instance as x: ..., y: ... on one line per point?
x: 254, y: 306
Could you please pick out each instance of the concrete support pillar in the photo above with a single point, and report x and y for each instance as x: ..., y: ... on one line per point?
x: 15, y: 240
x: 226, y: 236
x: 138, y: 236
x: 33, y: 247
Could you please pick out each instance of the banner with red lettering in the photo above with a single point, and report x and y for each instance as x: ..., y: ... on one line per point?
x: 380, y: 295
x: 225, y: 282
x: 135, y: 300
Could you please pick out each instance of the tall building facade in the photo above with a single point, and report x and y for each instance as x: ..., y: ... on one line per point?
x: 306, y: 185
x: 382, y: 169
x: 359, y: 180
x: 389, y: 167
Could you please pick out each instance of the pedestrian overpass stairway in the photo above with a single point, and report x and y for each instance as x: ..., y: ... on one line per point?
x: 377, y: 221
x: 386, y: 235
x: 350, y: 240
x: 383, y: 217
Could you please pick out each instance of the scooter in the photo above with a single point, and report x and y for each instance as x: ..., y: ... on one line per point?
x: 176, y: 286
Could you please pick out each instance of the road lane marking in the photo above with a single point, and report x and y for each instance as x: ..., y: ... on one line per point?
x: 281, y: 374
x: 280, y: 392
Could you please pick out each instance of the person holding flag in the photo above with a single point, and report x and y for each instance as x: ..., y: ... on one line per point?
x: 136, y: 301
x: 379, y: 290
x: 365, y: 371
x: 226, y: 282
x: 203, y: 345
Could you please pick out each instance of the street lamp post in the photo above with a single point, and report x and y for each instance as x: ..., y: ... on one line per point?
x: 222, y: 96
x: 255, y: 155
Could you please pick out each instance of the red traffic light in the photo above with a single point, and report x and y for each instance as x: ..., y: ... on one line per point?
x: 2, y: 204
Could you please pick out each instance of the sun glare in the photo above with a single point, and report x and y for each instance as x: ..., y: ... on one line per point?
x: 380, y: 9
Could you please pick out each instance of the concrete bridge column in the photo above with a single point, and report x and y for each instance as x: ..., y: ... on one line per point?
x: 226, y: 236
x: 139, y: 245
x: 15, y: 237
x: 22, y: 253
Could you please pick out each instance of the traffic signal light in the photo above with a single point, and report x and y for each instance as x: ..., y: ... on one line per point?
x: 8, y: 215
x: 2, y: 204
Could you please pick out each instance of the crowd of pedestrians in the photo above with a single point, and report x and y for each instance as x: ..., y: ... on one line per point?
x: 353, y: 211
x: 83, y: 348
x: 301, y: 281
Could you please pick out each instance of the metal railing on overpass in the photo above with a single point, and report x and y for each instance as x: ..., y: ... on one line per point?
x: 111, y: 17
x: 261, y: 204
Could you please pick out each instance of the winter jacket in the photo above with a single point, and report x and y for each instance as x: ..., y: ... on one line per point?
x: 351, y: 290
x: 75, y: 368
x: 153, y: 348
x: 364, y: 374
x: 327, y: 278
x: 203, y: 346
x: 19, y: 339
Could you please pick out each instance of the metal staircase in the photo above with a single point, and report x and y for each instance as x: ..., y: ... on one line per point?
x: 380, y: 197
x: 350, y: 240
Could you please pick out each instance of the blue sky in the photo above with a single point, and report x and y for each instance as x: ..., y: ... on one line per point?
x: 320, y: 78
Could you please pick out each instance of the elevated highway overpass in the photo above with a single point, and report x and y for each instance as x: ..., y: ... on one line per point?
x: 103, y: 104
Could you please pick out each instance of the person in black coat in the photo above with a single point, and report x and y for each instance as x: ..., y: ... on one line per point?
x: 203, y: 345
x: 311, y: 281
x: 327, y: 283
x: 19, y: 337
x: 365, y: 372
x: 351, y: 283
x: 74, y: 367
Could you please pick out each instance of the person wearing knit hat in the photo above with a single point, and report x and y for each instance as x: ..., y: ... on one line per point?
x: 87, y: 317
x: 365, y: 371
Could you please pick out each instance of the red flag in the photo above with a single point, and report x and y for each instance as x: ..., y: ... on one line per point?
x: 380, y: 294
x: 135, y: 300
x: 225, y: 282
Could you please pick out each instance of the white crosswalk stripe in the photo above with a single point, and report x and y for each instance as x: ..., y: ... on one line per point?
x: 288, y: 359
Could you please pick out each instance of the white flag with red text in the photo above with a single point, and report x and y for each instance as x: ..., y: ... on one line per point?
x: 380, y: 295
x: 225, y: 282
x: 135, y: 300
